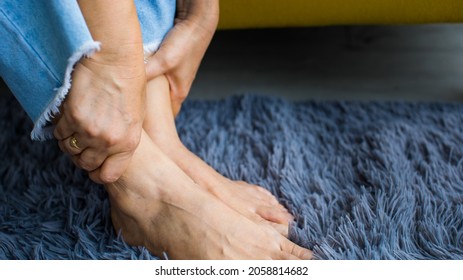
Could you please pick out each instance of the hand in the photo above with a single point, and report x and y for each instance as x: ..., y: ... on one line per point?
x: 183, y: 48
x: 103, y: 111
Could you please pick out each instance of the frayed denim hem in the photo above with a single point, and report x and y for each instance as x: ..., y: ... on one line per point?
x: 42, y: 130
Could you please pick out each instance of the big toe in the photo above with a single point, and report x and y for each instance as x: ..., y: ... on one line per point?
x: 295, y: 250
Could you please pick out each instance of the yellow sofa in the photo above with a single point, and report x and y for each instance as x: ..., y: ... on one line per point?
x: 295, y: 13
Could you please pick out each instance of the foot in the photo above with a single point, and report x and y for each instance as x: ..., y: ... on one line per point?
x: 254, y: 202
x: 155, y: 204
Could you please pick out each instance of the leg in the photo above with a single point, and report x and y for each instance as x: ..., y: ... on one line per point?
x: 251, y: 201
x: 156, y: 205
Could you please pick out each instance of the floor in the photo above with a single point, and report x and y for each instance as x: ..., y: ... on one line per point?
x: 417, y: 62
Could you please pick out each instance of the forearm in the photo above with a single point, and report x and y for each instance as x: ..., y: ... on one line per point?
x: 115, y: 24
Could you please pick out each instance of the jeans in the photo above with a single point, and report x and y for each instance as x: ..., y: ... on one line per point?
x: 42, y: 40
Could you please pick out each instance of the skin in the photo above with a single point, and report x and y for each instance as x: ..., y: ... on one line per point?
x: 154, y: 202
x: 255, y: 203
x: 179, y: 58
x: 104, y: 110
x: 181, y: 52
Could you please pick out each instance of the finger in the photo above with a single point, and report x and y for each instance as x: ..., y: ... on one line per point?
x: 66, y: 149
x: 62, y: 147
x: 89, y: 159
x: 296, y: 250
x: 156, y: 65
x: 96, y: 177
x: 169, y: 54
x: 112, y: 168
x: 63, y: 130
x: 71, y: 146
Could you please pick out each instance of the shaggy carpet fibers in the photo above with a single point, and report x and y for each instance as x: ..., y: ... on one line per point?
x: 364, y: 180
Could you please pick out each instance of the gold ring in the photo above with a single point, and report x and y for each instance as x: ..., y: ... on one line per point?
x: 73, y: 142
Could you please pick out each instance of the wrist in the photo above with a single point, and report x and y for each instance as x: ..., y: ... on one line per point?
x: 120, y: 54
x: 114, y: 65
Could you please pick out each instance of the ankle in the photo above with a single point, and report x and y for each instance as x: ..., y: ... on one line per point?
x: 170, y: 145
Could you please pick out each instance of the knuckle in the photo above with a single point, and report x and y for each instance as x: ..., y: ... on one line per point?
x: 57, y: 132
x: 170, y: 61
x: 132, y: 143
x: 61, y: 146
x: 87, y: 163
x: 108, y: 177
x: 92, y: 131
x: 112, y: 139
x: 83, y: 164
x: 128, y: 139
x: 76, y: 115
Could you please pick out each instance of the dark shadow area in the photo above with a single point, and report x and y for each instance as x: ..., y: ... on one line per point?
x: 416, y: 62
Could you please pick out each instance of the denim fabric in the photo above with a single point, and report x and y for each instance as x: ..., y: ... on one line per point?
x: 41, y: 40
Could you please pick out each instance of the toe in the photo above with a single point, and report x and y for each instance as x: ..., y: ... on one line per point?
x: 282, y: 229
x: 275, y: 215
x: 287, y: 256
x: 257, y: 190
x: 296, y: 250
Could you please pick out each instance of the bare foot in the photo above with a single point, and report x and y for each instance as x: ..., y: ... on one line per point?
x: 252, y: 201
x: 156, y: 205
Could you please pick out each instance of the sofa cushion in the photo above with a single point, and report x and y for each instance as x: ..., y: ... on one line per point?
x: 298, y: 13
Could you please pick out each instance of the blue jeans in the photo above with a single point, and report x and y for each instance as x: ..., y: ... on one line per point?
x: 42, y: 40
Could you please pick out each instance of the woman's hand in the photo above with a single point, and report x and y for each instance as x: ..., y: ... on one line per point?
x: 103, y: 115
x: 183, y: 48
x: 101, y: 118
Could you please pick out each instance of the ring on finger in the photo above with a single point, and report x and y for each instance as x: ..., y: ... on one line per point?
x: 73, y: 142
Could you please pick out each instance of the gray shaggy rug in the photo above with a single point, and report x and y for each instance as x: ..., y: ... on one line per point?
x: 364, y: 180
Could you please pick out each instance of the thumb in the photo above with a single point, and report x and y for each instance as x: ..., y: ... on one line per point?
x: 156, y: 65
